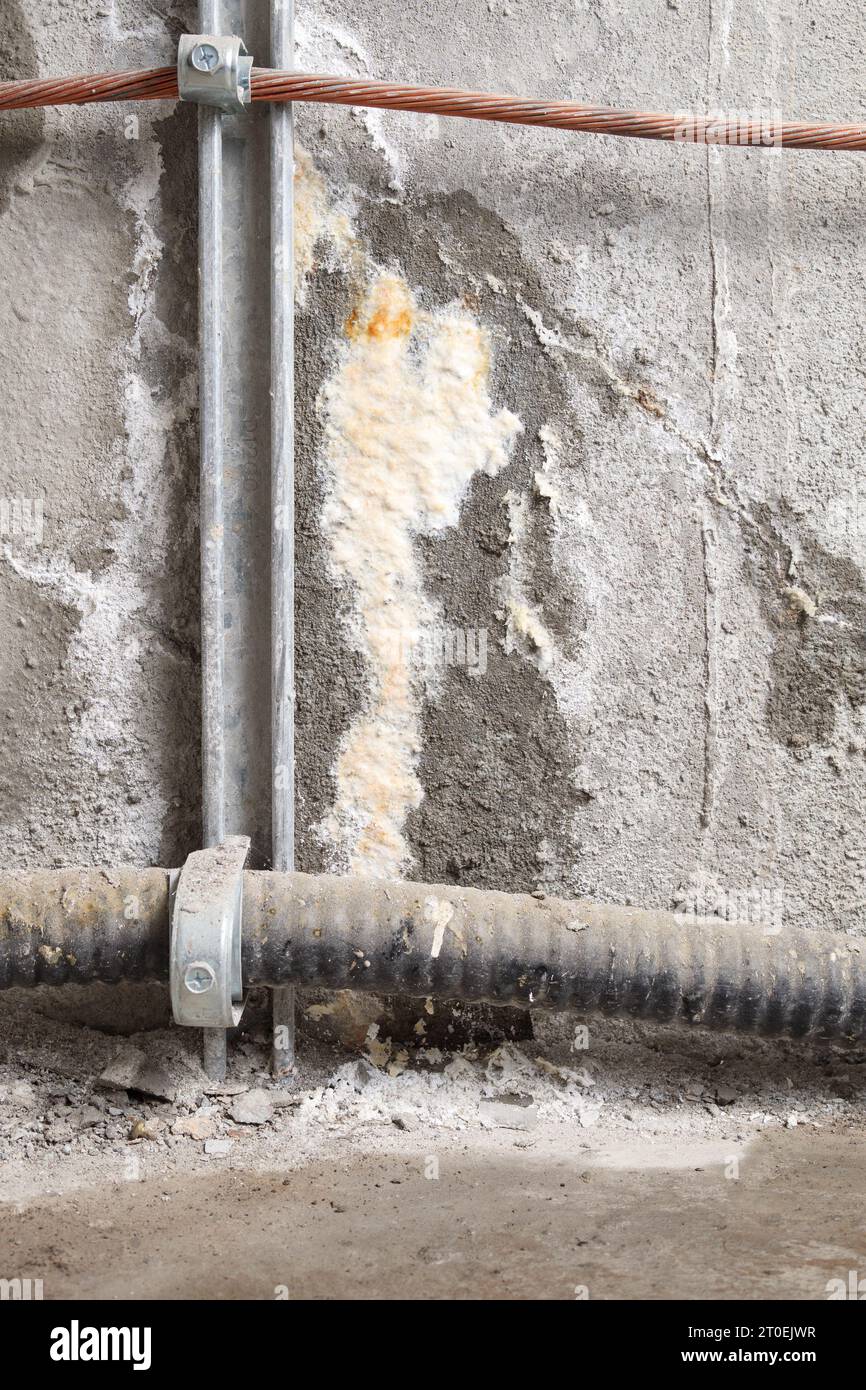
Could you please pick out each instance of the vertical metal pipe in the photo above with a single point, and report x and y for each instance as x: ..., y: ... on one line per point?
x: 211, y: 484
x: 247, y: 469
x: 210, y: 271
x: 283, y: 500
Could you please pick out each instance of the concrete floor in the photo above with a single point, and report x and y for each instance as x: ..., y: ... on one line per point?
x: 635, y: 1220
x: 664, y: 1163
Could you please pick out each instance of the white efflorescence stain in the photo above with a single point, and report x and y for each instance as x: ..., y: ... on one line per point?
x: 321, y: 45
x: 320, y: 228
x: 546, y: 486
x: 408, y: 423
x: 525, y: 631
x: 114, y: 629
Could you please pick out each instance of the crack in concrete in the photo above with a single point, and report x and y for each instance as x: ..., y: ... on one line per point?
x: 727, y: 493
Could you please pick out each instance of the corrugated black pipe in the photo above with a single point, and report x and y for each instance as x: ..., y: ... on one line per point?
x: 449, y: 943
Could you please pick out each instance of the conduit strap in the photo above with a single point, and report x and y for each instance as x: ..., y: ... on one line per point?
x: 268, y: 85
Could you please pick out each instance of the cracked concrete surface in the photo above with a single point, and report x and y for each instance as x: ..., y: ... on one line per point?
x: 666, y: 564
x: 654, y: 705
x: 659, y: 314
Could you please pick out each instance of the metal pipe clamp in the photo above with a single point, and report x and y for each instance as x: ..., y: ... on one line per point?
x: 206, y: 925
x: 215, y: 70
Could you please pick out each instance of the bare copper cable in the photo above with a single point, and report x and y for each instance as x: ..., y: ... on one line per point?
x: 269, y: 85
x: 563, y: 115
x: 152, y: 84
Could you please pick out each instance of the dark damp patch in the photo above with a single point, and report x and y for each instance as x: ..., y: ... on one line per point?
x: 331, y: 678
x: 818, y: 660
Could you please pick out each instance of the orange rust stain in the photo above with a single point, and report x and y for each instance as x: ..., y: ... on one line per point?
x: 386, y: 314
x: 386, y: 323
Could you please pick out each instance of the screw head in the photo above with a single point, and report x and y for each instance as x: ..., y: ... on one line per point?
x: 199, y: 977
x: 205, y: 57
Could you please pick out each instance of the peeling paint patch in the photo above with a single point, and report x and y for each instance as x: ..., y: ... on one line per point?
x: 439, y: 914
x: 408, y: 423
x: 319, y: 1010
x: 377, y: 1050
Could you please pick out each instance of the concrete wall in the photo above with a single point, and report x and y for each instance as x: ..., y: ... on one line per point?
x: 584, y: 413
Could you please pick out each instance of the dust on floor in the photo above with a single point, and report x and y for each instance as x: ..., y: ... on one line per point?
x: 541, y: 1222
x: 607, y: 1161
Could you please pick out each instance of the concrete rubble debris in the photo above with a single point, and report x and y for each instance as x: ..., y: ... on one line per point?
x: 131, y: 1070
x: 20, y: 1095
x: 725, y: 1095
x: 509, y: 1111
x: 405, y: 1121
x: 195, y: 1126
x: 146, y: 1129
x: 252, y: 1108
x: 86, y: 1117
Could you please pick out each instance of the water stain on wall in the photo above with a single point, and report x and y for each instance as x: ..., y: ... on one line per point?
x: 499, y: 802
x: 461, y: 774
x: 409, y: 422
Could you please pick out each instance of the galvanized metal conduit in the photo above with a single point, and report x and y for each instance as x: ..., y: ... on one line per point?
x: 211, y: 281
x: 283, y: 501
x: 247, y: 473
x: 80, y: 926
